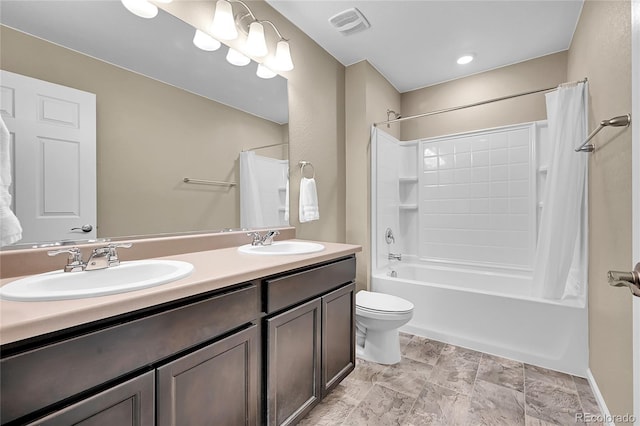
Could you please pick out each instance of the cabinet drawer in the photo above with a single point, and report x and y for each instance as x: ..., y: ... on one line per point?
x: 35, y: 379
x: 291, y: 289
x: 128, y: 404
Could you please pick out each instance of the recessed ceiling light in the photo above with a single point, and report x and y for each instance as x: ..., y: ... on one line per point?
x: 463, y: 60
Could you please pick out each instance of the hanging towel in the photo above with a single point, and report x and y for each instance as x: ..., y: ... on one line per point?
x: 308, y: 200
x: 10, y: 229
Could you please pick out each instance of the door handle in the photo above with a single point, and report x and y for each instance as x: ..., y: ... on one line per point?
x: 84, y: 228
x: 629, y: 279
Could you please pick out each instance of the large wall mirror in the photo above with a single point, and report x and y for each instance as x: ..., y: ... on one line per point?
x: 165, y: 111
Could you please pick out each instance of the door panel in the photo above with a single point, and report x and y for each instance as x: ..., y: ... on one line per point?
x: 54, y: 169
x: 217, y: 384
x: 293, y: 363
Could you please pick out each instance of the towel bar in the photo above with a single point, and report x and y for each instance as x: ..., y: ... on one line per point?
x: 208, y: 182
x: 303, y: 164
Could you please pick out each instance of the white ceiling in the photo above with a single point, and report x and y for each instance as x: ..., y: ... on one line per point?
x: 415, y: 43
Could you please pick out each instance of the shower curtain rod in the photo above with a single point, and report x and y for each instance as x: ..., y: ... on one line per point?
x: 440, y: 111
x: 265, y: 146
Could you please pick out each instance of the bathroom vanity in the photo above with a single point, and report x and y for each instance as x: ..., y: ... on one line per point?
x: 244, y: 340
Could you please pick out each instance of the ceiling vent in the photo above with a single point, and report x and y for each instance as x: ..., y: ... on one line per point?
x: 349, y: 21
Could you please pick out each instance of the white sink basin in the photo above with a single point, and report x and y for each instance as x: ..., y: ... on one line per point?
x: 282, y: 247
x: 128, y: 276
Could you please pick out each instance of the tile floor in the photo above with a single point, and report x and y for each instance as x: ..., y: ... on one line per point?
x: 441, y: 384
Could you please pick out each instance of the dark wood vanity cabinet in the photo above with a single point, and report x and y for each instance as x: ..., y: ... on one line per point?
x: 166, y: 359
x: 310, y: 344
x: 264, y: 352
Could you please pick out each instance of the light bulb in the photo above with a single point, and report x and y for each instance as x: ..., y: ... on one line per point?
x: 282, y: 61
x: 205, y: 42
x: 256, y: 44
x: 463, y: 60
x: 141, y: 8
x: 264, y: 72
x: 236, y: 58
x: 223, y: 26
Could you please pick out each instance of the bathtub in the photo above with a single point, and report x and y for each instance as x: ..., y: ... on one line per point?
x: 492, y: 313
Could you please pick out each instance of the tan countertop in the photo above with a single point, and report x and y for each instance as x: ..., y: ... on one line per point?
x: 213, y: 270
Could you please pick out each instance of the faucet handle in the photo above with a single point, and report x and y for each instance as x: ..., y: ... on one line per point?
x: 74, y: 252
x: 256, y: 238
x: 113, y: 253
x: 74, y: 262
x: 267, y: 239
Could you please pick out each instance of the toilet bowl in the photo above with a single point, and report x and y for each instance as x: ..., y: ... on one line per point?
x: 378, y: 318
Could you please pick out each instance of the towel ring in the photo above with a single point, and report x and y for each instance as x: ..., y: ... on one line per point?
x: 303, y: 164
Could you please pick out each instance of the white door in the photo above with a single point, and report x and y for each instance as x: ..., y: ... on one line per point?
x: 53, y: 130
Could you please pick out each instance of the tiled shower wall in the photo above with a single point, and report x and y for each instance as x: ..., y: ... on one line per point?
x: 478, y: 198
x: 470, y: 199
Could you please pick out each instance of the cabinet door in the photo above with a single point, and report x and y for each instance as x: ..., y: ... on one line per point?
x: 338, y: 336
x: 130, y: 403
x: 293, y: 363
x: 217, y: 384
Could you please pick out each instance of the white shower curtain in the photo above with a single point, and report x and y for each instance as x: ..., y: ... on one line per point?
x: 250, y: 205
x: 564, y: 197
x: 263, y: 191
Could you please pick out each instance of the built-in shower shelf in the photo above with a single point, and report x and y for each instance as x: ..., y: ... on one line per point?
x: 408, y: 207
x: 543, y: 170
x: 282, y: 188
x: 408, y: 179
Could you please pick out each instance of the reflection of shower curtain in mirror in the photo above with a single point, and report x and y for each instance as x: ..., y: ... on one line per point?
x: 262, y: 191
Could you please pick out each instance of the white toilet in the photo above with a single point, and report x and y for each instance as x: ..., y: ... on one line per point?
x: 378, y: 318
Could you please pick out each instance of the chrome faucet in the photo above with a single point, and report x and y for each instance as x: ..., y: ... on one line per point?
x: 101, y: 257
x: 74, y: 263
x: 395, y: 256
x: 267, y: 239
x: 262, y: 240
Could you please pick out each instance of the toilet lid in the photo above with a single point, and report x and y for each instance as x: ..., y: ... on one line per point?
x: 382, y: 302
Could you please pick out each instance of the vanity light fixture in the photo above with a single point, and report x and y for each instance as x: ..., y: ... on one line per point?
x: 465, y: 59
x: 236, y: 58
x: 256, y: 44
x: 264, y: 72
x: 141, y: 8
x: 225, y: 26
x: 205, y: 42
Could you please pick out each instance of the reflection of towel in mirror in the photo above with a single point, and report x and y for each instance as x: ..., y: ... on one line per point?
x: 286, y: 200
x: 308, y: 200
x: 10, y: 229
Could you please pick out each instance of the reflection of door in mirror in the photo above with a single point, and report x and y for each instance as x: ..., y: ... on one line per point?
x: 54, y: 164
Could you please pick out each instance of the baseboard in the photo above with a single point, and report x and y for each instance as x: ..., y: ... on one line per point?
x: 599, y: 399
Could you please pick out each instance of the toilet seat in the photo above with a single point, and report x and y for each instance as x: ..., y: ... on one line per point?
x: 380, y: 303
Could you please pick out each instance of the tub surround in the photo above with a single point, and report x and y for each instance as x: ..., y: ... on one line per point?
x: 215, y: 269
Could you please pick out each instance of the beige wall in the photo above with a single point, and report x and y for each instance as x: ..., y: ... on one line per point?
x: 601, y: 50
x: 149, y: 137
x: 368, y: 96
x: 316, y: 115
x: 540, y: 73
